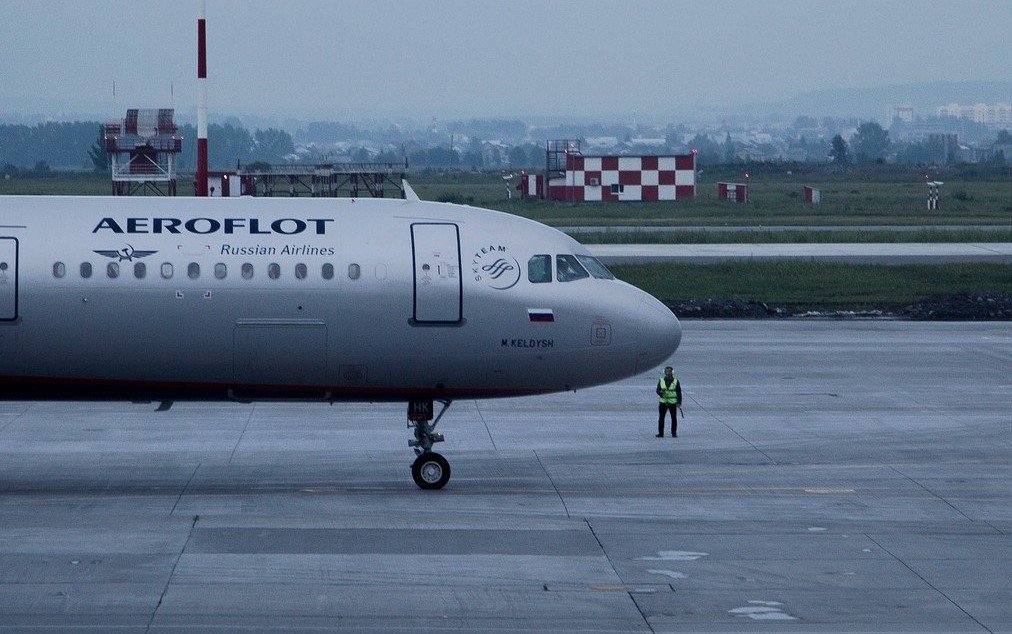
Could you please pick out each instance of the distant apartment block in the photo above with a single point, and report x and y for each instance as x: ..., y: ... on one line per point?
x: 904, y: 113
x: 999, y: 114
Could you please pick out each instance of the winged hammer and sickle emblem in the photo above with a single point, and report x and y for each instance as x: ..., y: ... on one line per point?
x: 127, y: 253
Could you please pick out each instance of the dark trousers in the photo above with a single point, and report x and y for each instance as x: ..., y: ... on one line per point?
x: 664, y: 407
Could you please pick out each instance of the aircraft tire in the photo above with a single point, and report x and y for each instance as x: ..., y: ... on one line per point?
x: 430, y: 471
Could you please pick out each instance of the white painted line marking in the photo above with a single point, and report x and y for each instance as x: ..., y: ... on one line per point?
x: 669, y: 573
x: 674, y: 555
x: 763, y: 611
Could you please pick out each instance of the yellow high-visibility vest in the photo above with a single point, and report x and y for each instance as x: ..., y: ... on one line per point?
x: 669, y: 395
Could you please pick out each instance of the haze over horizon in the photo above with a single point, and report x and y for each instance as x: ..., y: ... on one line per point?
x: 453, y: 59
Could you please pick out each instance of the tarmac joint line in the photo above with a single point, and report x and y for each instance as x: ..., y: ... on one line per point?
x: 731, y: 429
x: 17, y: 418
x: 556, y: 488
x: 237, y: 442
x: 185, y: 487
x: 629, y: 591
x: 483, y: 422
x: 168, y: 581
x: 929, y: 584
x: 932, y: 493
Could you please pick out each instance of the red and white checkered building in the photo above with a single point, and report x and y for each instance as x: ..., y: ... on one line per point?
x: 621, y: 178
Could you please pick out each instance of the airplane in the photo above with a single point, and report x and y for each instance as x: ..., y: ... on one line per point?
x: 325, y: 299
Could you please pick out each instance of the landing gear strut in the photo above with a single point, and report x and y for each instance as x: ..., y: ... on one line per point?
x: 430, y: 470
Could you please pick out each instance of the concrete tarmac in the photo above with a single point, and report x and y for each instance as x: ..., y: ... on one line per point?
x: 827, y: 477
x: 860, y: 253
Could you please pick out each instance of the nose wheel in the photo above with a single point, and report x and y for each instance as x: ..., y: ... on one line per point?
x: 430, y: 470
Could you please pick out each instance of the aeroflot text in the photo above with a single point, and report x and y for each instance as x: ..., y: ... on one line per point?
x: 203, y: 226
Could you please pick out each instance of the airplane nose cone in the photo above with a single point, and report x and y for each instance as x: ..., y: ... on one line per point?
x: 659, y: 334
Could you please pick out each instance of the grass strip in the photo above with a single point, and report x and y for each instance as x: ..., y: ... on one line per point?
x: 815, y: 284
x: 880, y: 195
x: 791, y: 236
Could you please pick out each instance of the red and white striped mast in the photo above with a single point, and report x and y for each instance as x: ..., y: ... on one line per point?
x: 202, y: 101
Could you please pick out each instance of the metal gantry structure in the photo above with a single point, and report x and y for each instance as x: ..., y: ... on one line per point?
x: 556, y: 153
x: 142, y: 150
x: 325, y: 180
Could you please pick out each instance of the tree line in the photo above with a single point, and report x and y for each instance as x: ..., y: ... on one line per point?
x: 871, y: 144
x: 78, y: 145
x: 39, y: 149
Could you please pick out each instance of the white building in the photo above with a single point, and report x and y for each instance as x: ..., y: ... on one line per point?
x: 999, y: 114
x: 904, y: 113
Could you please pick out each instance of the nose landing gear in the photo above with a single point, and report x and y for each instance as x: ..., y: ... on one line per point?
x: 430, y: 470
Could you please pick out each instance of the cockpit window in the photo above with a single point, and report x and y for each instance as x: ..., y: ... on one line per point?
x: 595, y: 267
x: 539, y: 269
x: 567, y: 269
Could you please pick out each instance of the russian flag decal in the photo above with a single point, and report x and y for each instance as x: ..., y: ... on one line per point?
x: 541, y: 314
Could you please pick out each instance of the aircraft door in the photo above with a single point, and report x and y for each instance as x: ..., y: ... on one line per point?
x: 8, y: 279
x: 438, y: 293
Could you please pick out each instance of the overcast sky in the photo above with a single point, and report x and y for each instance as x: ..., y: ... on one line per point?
x: 584, y: 59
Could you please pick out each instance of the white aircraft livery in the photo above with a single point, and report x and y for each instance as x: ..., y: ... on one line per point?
x: 324, y: 299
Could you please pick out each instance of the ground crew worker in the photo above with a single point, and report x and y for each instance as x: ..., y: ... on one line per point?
x: 670, y: 392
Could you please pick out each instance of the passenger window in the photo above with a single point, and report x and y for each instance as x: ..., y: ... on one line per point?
x: 247, y: 271
x: 568, y: 269
x: 595, y: 267
x: 85, y: 270
x: 274, y: 270
x: 167, y: 270
x: 140, y: 270
x: 354, y: 271
x: 112, y: 269
x: 539, y: 269
x: 301, y: 271
x: 328, y: 271
x: 220, y: 271
x: 59, y: 269
x: 193, y: 270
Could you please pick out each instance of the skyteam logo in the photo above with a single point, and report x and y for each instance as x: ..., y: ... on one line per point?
x: 494, y: 266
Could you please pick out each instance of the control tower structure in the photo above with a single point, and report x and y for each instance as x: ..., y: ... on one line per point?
x: 143, y: 149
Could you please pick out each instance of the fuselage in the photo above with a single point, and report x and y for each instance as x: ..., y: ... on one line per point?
x: 329, y: 299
